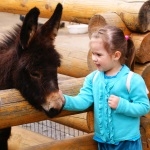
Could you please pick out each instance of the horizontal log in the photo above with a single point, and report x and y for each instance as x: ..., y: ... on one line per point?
x: 78, y: 143
x: 74, y: 51
x: 108, y: 18
x: 135, y: 14
x: 15, y: 110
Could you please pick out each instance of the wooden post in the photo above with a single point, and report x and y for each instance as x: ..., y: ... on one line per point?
x: 135, y: 14
x: 84, y: 142
x: 109, y: 18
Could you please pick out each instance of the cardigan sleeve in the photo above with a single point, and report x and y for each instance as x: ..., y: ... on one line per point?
x: 83, y: 100
x: 138, y: 105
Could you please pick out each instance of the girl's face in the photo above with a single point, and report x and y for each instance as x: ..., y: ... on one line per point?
x: 102, y: 59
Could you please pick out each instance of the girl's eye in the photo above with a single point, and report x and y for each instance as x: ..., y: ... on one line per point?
x: 97, y: 54
x: 35, y: 74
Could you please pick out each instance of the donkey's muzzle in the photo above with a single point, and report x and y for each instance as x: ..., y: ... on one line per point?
x: 53, y: 105
x: 52, y: 112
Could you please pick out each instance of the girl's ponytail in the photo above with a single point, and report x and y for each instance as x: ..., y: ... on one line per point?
x: 130, y: 53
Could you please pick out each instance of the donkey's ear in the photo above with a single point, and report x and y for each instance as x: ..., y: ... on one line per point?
x: 50, y: 28
x: 29, y: 27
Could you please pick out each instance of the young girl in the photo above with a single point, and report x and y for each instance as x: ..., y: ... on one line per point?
x: 117, y: 111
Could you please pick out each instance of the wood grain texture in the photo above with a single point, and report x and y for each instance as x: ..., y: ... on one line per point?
x: 134, y: 13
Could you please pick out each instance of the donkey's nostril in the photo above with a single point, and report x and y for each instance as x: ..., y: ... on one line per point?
x: 53, y: 112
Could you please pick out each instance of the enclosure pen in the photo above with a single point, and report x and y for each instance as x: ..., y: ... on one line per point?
x: 33, y: 129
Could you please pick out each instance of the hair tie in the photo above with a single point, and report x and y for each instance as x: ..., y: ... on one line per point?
x: 126, y: 37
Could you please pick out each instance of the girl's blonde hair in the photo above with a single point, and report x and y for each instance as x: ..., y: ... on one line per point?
x: 115, y: 40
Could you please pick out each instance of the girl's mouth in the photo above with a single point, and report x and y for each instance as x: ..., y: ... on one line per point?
x: 98, y: 66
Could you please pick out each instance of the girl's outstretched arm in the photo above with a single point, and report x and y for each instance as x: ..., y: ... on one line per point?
x: 81, y: 101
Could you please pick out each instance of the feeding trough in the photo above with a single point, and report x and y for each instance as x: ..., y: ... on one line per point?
x: 77, y: 28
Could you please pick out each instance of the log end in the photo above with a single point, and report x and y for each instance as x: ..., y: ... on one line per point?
x: 144, y: 19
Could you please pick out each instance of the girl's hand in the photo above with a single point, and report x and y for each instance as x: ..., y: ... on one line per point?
x: 61, y: 96
x: 113, y: 101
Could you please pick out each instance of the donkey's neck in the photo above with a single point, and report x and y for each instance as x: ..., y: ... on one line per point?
x: 7, y: 66
x: 8, y: 57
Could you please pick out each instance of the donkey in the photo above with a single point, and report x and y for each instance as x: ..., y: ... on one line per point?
x: 29, y: 62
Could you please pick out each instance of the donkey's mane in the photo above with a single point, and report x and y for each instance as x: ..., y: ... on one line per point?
x: 10, y: 37
x: 8, y: 54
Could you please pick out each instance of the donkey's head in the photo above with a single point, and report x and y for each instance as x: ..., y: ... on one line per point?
x: 36, y: 73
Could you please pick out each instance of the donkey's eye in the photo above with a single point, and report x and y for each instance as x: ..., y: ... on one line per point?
x: 35, y: 74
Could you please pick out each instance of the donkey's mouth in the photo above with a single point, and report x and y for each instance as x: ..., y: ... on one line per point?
x: 52, y: 112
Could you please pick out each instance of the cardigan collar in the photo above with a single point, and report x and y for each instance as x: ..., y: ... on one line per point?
x: 124, y: 71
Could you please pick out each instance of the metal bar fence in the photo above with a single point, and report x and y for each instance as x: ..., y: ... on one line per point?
x: 53, y: 130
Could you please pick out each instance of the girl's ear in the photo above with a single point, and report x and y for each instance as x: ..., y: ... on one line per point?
x: 117, y: 55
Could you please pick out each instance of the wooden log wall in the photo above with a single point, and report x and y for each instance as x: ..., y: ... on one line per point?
x: 76, y: 58
x: 134, y: 13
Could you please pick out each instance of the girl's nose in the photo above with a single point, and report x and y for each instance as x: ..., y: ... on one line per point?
x: 94, y: 58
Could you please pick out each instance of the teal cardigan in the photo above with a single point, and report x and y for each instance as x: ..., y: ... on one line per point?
x: 113, y: 125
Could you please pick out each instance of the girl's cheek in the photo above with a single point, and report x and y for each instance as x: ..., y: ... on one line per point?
x: 94, y: 57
